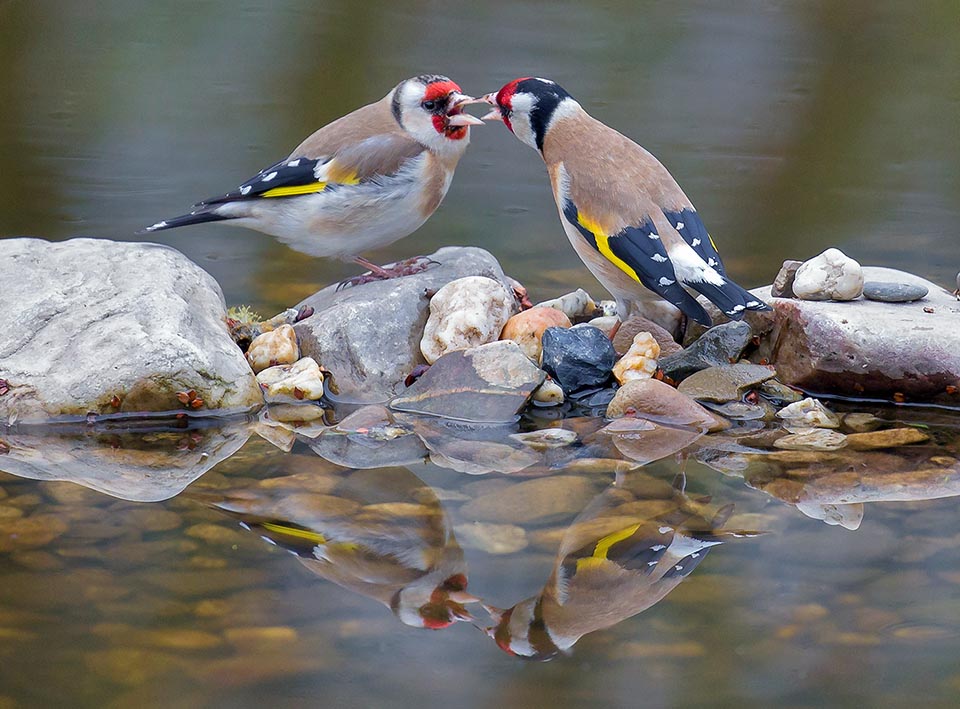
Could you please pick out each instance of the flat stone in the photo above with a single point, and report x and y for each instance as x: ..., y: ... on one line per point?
x: 657, y: 401
x: 726, y: 383
x: 818, y: 439
x: 893, y: 292
x: 866, y: 348
x: 717, y: 347
x: 367, y: 354
x: 92, y: 325
x: 490, y: 383
x: 889, y: 438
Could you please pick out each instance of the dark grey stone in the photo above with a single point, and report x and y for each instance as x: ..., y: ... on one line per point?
x: 577, y: 357
x: 893, y: 292
x: 715, y: 348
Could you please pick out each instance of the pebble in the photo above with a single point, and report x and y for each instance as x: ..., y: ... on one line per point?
x: 301, y: 381
x: 836, y: 515
x: 861, y: 422
x: 655, y: 400
x: 607, y: 324
x: 272, y: 348
x: 783, y: 283
x: 808, y: 413
x: 526, y: 328
x: 717, y: 347
x: 495, y: 539
x: 546, y: 438
x: 576, y: 305
x: 487, y: 384
x: 548, y: 394
x: 893, y: 292
x: 727, y: 383
x: 890, y: 438
x: 577, y: 358
x: 465, y: 313
x: 817, y: 439
x: 640, y: 361
x: 830, y: 276
x: 30, y: 532
x: 780, y: 392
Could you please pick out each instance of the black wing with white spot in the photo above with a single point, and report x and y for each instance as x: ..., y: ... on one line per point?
x: 639, y: 252
x: 287, y: 178
x: 689, y: 225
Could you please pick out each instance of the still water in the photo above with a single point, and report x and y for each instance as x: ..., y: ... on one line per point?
x: 146, y: 579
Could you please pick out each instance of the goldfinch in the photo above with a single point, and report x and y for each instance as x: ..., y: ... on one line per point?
x: 625, y: 215
x: 360, y: 182
x: 612, y: 564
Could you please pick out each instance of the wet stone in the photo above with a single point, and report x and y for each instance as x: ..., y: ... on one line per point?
x: 893, y: 292
x: 727, y: 383
x: 548, y: 394
x: 861, y: 422
x: 717, y: 347
x: 890, y: 438
x: 30, y: 532
x: 808, y: 413
x: 546, y: 438
x: 780, y: 392
x: 655, y: 400
x: 577, y: 358
x: 817, y: 439
x: 301, y: 381
x: 490, y: 383
x: 492, y: 538
x: 742, y: 410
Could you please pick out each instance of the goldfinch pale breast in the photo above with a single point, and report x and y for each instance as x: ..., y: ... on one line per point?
x: 360, y: 182
x: 625, y: 215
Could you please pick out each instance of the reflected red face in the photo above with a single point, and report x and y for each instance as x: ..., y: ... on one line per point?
x: 505, y: 100
x: 438, y: 92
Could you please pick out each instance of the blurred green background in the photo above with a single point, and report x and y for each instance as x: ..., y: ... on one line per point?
x: 792, y: 126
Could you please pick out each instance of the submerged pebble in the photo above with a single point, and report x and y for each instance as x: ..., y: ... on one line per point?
x: 893, y: 292
x: 578, y: 357
x: 890, y: 438
x: 272, y: 348
x: 465, y: 313
x: 814, y: 439
x: 640, y: 361
x: 808, y: 413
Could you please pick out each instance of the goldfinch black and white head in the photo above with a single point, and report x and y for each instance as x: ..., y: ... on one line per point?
x: 360, y: 182
x: 624, y: 214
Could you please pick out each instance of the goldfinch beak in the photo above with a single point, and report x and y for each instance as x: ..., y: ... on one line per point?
x: 491, y: 100
x: 463, y: 597
x: 494, y: 115
x: 455, y: 114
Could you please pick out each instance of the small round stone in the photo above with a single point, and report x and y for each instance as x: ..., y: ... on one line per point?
x: 893, y: 292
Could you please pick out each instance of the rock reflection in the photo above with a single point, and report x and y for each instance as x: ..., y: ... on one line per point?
x: 144, y: 461
x: 631, y: 546
x: 380, y: 533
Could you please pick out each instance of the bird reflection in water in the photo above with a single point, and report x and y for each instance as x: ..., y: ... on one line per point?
x: 626, y: 551
x: 385, y: 536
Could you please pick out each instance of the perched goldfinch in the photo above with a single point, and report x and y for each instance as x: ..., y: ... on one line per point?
x: 613, y: 564
x: 626, y: 217
x: 359, y: 183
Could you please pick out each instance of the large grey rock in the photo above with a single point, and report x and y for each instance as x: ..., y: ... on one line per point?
x: 368, y: 337
x: 92, y: 325
x: 145, y: 464
x: 867, y: 348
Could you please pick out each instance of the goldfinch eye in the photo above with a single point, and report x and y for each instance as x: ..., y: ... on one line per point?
x: 429, y: 105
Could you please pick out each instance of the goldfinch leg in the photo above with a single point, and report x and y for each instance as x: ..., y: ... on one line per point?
x: 407, y: 267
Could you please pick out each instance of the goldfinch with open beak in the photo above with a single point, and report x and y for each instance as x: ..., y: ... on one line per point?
x: 625, y: 215
x: 359, y: 183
